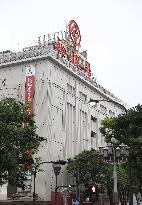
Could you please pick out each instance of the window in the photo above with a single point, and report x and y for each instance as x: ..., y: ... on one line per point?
x: 93, y: 124
x: 111, y: 114
x: 82, y: 96
x: 93, y: 131
x: 93, y: 139
x: 70, y: 89
x: 93, y: 134
x: 103, y: 109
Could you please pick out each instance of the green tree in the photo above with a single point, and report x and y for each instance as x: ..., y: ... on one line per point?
x: 91, y: 169
x: 127, y: 129
x: 18, y: 142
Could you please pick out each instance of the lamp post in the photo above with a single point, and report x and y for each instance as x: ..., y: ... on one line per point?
x: 35, y: 171
x: 57, y: 169
x: 93, y: 103
x: 114, y: 154
x: 60, y: 162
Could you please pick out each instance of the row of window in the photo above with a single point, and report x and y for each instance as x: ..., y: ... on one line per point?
x: 103, y: 109
x: 83, y: 97
x: 71, y: 90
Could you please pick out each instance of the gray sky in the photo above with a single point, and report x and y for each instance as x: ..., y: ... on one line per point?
x: 111, y: 31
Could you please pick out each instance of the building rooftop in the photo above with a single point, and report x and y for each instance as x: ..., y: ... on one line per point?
x: 43, y: 50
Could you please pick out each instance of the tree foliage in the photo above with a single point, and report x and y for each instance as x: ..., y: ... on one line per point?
x: 91, y: 168
x: 18, y: 142
x: 127, y: 129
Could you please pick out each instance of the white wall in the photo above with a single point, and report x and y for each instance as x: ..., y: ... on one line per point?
x: 62, y: 113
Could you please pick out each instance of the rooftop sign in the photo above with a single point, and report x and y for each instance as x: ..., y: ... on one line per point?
x: 68, y: 48
x: 74, y: 34
x: 66, y: 45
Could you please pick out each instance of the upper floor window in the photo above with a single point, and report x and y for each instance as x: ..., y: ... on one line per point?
x: 93, y: 124
x: 111, y: 114
x: 70, y: 89
x: 82, y: 96
x: 103, y: 109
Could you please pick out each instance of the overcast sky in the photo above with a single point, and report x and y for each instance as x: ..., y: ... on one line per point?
x: 111, y: 32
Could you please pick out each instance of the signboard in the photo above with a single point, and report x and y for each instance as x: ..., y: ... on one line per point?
x: 29, y: 88
x: 69, y: 48
x: 74, y: 34
x: 75, y: 202
x: 66, y: 44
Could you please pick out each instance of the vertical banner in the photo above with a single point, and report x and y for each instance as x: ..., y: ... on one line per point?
x: 29, y: 88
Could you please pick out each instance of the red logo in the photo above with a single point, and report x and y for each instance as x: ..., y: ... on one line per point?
x: 74, y: 33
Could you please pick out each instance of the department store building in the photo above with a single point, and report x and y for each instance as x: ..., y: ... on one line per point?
x: 54, y: 77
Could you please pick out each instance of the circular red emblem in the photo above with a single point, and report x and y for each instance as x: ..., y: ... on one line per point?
x: 74, y: 33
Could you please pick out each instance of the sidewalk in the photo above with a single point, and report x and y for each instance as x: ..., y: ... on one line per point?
x: 21, y: 202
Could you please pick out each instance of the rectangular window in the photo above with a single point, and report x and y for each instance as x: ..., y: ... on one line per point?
x: 82, y: 96
x: 111, y: 114
x: 70, y: 89
x: 93, y: 131
x: 93, y: 124
x: 103, y: 109
x: 93, y: 139
x: 93, y: 134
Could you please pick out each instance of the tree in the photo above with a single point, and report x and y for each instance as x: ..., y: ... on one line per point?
x: 127, y: 129
x: 18, y: 142
x: 91, y: 169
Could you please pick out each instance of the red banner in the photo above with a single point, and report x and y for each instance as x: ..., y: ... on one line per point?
x: 29, y: 88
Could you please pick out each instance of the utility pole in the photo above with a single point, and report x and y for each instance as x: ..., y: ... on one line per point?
x: 77, y: 183
x: 130, y: 192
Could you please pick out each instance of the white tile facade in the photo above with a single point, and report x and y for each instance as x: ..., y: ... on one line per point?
x: 62, y: 114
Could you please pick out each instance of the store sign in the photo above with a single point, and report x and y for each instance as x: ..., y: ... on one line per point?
x: 74, y: 34
x: 69, y: 48
x: 66, y: 44
x: 29, y: 88
x: 60, y: 48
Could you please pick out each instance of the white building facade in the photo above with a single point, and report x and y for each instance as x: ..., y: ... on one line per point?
x: 60, y: 105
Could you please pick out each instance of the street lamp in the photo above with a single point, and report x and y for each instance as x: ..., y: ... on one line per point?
x: 57, y: 169
x: 59, y: 163
x: 114, y: 154
x: 93, y: 103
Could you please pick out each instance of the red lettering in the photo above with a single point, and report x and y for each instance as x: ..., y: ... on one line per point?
x: 87, y: 69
